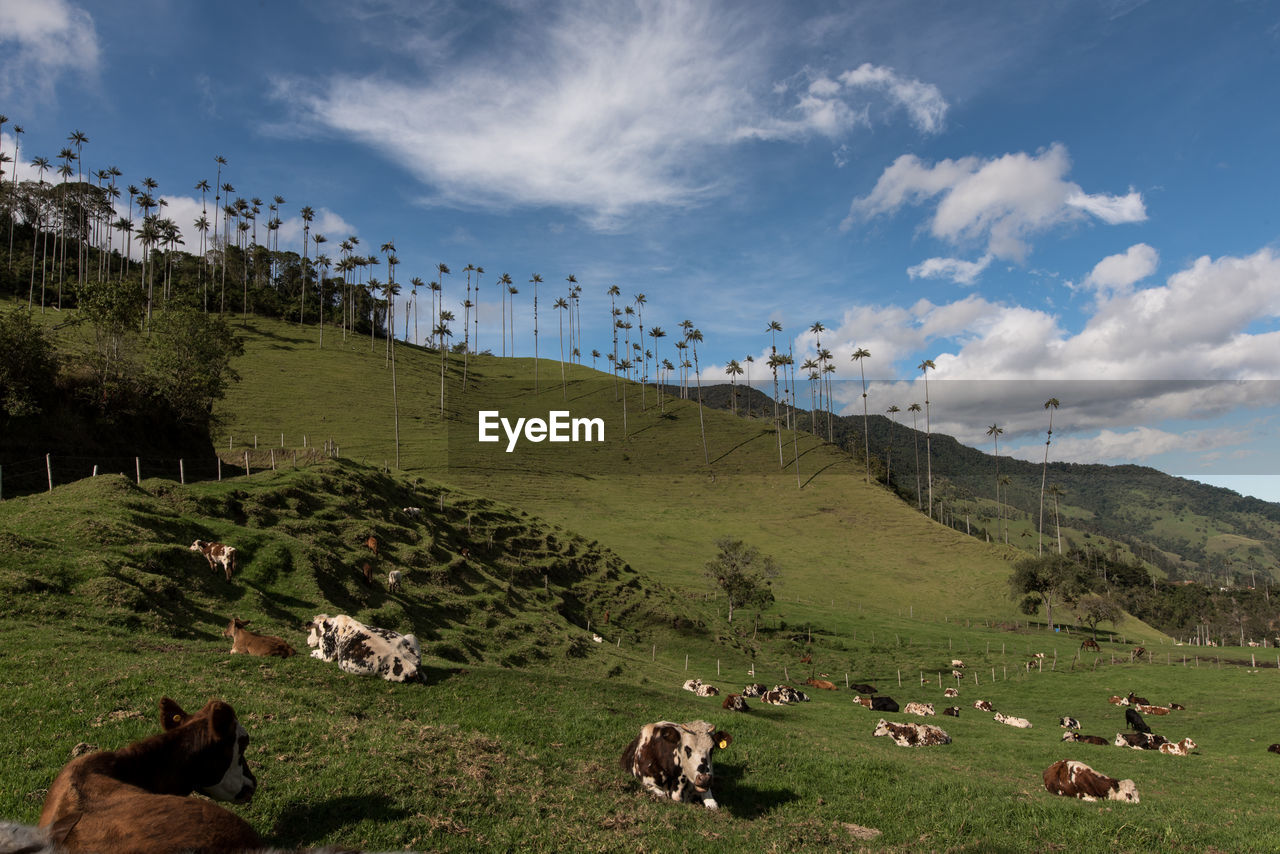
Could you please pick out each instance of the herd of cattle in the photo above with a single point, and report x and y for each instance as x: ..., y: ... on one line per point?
x: 139, y: 792
x: 674, y: 760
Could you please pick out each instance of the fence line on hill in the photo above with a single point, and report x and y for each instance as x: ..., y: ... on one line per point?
x: 41, y: 474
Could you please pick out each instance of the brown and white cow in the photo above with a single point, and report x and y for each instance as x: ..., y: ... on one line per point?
x: 692, y: 685
x: 912, y: 735
x: 951, y: 692
x: 955, y: 662
x: 983, y: 706
x: 735, y: 703
x: 218, y: 555
x: 364, y: 650
x: 821, y: 684
x: 1178, y: 748
x: 1077, y: 780
x: 1085, y: 739
x: 1020, y: 723
x: 245, y: 642
x: 921, y: 709
x: 673, y: 760
x: 706, y: 690
x: 135, y: 798
x: 1118, y: 701
x: 1154, y: 710
x: 878, y: 704
x: 394, y: 578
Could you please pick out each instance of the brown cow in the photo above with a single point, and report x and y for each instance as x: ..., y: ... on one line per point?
x: 1178, y: 748
x: 246, y: 642
x: 366, y: 572
x: 821, y: 684
x: 218, y: 555
x: 1077, y: 780
x: 135, y: 798
x: 1090, y: 643
x: 372, y: 543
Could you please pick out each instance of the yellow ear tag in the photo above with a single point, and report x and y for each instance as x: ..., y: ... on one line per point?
x: 723, y: 744
x: 177, y: 718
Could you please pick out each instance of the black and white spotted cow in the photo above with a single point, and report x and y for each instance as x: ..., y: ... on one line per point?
x: 673, y: 760
x: 364, y: 650
x: 755, y: 690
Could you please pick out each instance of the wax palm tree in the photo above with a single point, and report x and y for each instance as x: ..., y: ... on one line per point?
x: 749, y: 361
x: 562, y: 305
x: 657, y: 333
x: 307, y: 215
x: 323, y: 262
x: 624, y: 365
x: 512, y: 290
x: 1057, y: 492
x: 995, y: 431
x: 466, y: 319
x: 536, y: 280
x: 317, y: 240
x: 734, y: 370
x: 858, y: 355
x: 640, y: 301
x: 476, y: 313
x: 572, y: 281
x: 810, y: 367
x: 694, y: 337
x: 416, y: 282
x: 817, y: 329
x: 78, y: 139
x: 41, y: 165
x: 614, y: 292
x: 504, y: 286
x: 443, y: 333
x: 1051, y: 404
x: 1004, y: 482
x: 925, y: 366
x: 892, y: 411
x: 17, y: 132
x: 914, y: 409
x: 220, y: 161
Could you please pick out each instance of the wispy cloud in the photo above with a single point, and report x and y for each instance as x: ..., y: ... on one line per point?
x: 40, y: 41
x: 1001, y: 202
x: 957, y: 270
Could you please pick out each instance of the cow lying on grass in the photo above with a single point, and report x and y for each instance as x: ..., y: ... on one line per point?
x: 364, y: 650
x: 1077, y: 780
x: 135, y: 798
x: 246, y: 642
x: 1086, y: 739
x: 674, y: 760
x: 912, y: 735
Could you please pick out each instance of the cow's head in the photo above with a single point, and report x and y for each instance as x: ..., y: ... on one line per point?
x: 693, y: 745
x: 198, y: 546
x: 316, y: 629
x: 213, y: 745
x: 1125, y: 790
x: 236, y: 623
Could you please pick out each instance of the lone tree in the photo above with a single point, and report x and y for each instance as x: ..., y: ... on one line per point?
x: 1049, y: 579
x: 743, y: 573
x: 1094, y: 609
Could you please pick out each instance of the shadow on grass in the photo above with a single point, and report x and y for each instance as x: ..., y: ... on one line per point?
x: 314, y: 822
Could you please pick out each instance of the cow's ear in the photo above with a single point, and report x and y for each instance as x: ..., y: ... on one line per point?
x: 670, y: 733
x: 171, y: 714
x: 61, y: 829
x: 222, y: 719
x: 722, y: 739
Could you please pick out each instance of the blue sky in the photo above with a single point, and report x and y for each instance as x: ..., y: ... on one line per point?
x: 1069, y: 199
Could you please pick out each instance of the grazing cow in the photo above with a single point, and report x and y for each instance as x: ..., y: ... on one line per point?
x: 983, y: 706
x: 921, y: 709
x: 1138, y: 653
x: 951, y: 692
x: 705, y: 690
x: 1020, y: 723
x: 135, y: 798
x: 1135, y: 700
x: 956, y: 674
x: 821, y: 684
x: 394, y: 578
x: 1068, y: 723
x: 250, y: 643
x: 372, y: 543
x: 912, y: 735
x: 953, y: 711
x: 1090, y: 643
x: 1140, y: 740
x: 735, y: 703
x: 862, y: 688
x: 674, y: 760
x: 413, y: 512
x: 218, y: 555
x: 692, y: 685
x: 1135, y: 721
x: 1275, y: 748
x: 1077, y: 780
x: 808, y: 659
x: 1085, y: 739
x: 955, y: 662
x: 755, y: 690
x: 1178, y: 748
x: 366, y: 572
x: 364, y: 650
x: 1154, y: 710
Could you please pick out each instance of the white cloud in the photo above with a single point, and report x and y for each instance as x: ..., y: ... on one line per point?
x: 922, y: 101
x: 1132, y: 445
x: 1001, y: 202
x: 1119, y: 272
x: 39, y: 41
x: 959, y: 271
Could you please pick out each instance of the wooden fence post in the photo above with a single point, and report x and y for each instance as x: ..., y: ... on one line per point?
x: 48, y: 469
x: 137, y: 469
x: 246, y: 462
x: 182, y: 472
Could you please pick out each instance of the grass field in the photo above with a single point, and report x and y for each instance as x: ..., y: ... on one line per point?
x: 513, y: 742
